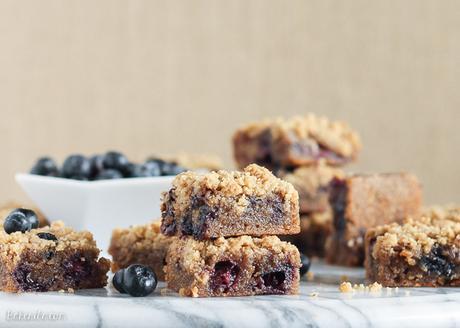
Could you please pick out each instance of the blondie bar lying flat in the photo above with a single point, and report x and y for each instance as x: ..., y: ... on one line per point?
x: 224, y: 204
x: 315, y: 228
x: 295, y: 142
x: 50, y: 259
x: 422, y: 252
x: 360, y: 202
x: 140, y: 245
x: 238, y: 266
x: 313, y: 184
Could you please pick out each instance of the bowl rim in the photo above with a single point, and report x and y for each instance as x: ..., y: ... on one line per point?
x: 92, y: 184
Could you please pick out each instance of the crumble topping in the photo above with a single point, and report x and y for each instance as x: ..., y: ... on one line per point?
x: 347, y: 287
x: 337, y: 135
x: 254, y: 180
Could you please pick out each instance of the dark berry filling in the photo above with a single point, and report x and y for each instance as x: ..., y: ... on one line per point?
x: 225, y: 276
x: 338, y: 198
x: 27, y: 282
x: 47, y: 236
x: 76, y: 269
x: 275, y: 280
x: 437, y: 263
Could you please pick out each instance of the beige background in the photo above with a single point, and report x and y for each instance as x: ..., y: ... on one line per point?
x: 162, y: 76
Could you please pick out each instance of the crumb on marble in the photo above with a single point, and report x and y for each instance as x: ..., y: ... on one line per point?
x: 346, y: 287
x: 314, y: 294
x: 375, y: 287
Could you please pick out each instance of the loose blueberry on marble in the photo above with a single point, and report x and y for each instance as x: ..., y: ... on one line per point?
x: 76, y: 167
x: 305, y: 261
x: 109, y: 174
x: 46, y: 236
x: 45, y: 166
x: 139, y: 280
x: 117, y: 281
x: 116, y: 161
x: 20, y: 220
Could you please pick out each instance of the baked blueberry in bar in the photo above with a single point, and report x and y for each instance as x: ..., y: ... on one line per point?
x: 143, y: 244
x: 224, y: 204
x: 315, y: 228
x: 51, y: 258
x: 360, y: 202
x: 239, y: 266
x: 423, y: 252
x: 295, y: 142
x: 313, y: 185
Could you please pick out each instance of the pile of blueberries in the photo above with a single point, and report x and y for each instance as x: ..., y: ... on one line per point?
x: 111, y: 165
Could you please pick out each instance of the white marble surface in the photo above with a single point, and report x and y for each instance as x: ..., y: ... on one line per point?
x: 407, y: 307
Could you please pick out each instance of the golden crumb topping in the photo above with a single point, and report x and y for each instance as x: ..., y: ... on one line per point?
x: 253, y: 181
x: 334, y: 135
x: 14, y: 244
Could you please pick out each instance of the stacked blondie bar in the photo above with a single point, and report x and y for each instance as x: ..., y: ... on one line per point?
x: 309, y: 153
x: 225, y: 222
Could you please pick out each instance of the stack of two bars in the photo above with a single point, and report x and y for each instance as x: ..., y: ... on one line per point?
x: 218, y: 235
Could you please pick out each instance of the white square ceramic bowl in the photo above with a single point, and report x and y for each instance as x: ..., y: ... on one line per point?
x: 97, y: 206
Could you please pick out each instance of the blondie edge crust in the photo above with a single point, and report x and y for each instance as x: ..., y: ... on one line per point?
x: 30, y: 263
x: 418, y: 253
x: 239, y: 266
x: 143, y: 244
x: 224, y: 204
x: 362, y: 201
x: 295, y: 142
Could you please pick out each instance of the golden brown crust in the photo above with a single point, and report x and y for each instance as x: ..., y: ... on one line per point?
x: 229, y: 199
x: 191, y: 263
x: 310, y: 132
x: 142, y: 244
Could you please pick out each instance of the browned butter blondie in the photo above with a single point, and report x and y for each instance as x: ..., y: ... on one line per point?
x: 224, y: 204
x: 423, y: 252
x: 360, y: 202
x: 143, y: 244
x: 51, y: 258
x: 239, y: 266
x: 294, y: 142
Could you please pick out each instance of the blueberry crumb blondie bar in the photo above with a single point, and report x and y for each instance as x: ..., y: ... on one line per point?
x: 224, y: 204
x: 239, y: 266
x: 422, y: 252
x: 51, y: 258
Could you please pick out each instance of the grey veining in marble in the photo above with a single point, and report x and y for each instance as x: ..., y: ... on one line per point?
x: 406, y: 307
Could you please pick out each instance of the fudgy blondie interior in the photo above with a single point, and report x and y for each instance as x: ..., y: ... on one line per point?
x: 362, y: 201
x: 238, y: 266
x: 422, y: 252
x: 143, y: 244
x: 51, y: 258
x: 295, y: 142
x: 224, y: 204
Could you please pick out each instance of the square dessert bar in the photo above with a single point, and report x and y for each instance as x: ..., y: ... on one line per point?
x: 239, y: 266
x: 224, y: 204
x: 360, y: 202
x: 313, y: 185
x: 423, y: 252
x: 140, y: 245
x: 52, y: 258
x: 295, y: 142
x: 315, y: 228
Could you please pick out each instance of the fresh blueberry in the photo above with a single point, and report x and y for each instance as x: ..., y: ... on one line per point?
x: 109, y: 174
x: 76, y: 167
x: 148, y: 169
x: 117, y: 281
x: 171, y: 168
x: 45, y: 166
x: 116, y: 161
x: 305, y: 261
x: 139, y: 280
x: 96, y: 165
x: 47, y: 236
x: 20, y: 220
